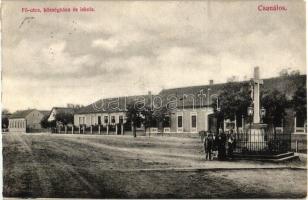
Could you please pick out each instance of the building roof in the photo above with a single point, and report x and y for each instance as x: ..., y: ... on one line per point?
x: 111, y: 105
x: 64, y: 110
x: 6, y: 114
x: 190, y: 96
x: 45, y: 112
x: 21, y: 113
x: 286, y: 85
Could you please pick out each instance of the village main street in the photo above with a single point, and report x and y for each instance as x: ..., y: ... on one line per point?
x: 96, y: 166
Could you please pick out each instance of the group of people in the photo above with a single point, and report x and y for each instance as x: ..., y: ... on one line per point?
x: 222, y: 143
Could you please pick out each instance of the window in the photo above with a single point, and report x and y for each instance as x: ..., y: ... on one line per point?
x: 81, y: 120
x: 106, y: 119
x: 166, y: 121
x: 121, y: 119
x: 112, y: 119
x: 194, y: 121
x: 92, y: 120
x: 99, y: 120
x: 180, y: 121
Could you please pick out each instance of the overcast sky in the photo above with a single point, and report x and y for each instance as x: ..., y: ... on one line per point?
x: 128, y: 48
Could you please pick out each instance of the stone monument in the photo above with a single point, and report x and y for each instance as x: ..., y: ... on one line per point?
x: 256, y: 130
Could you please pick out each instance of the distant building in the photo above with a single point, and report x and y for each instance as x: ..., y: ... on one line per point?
x: 25, y: 121
x: 55, y: 110
x: 192, y: 110
x: 192, y: 115
x: 45, y: 112
x: 107, y: 112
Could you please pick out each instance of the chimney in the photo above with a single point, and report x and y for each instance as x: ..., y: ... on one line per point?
x: 211, y: 82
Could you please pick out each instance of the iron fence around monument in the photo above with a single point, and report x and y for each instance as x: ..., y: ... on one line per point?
x: 268, y: 142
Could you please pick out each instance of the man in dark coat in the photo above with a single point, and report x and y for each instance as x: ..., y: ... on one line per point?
x: 208, y: 145
x: 221, y: 144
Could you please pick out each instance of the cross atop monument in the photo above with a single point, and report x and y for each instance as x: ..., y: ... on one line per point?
x: 256, y: 95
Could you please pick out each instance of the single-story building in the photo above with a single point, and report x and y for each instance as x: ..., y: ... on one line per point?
x: 107, y: 114
x: 55, y: 110
x: 26, y: 120
x: 194, y: 112
x: 190, y: 107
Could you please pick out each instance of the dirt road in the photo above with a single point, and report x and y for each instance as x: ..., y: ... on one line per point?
x: 125, y: 167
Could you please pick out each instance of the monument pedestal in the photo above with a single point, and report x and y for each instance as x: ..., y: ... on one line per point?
x: 256, y: 140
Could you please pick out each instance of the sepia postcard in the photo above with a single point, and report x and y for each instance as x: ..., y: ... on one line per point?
x: 178, y: 99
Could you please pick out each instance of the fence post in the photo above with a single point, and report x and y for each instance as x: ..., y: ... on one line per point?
x: 99, y: 129
x: 243, y: 122
x: 73, y: 129
x: 296, y: 146
x: 79, y: 129
x: 91, y: 130
x: 294, y: 124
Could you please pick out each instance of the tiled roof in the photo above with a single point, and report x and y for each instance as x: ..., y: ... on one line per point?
x: 21, y: 113
x: 45, y: 112
x: 286, y: 85
x: 64, y: 110
x: 191, y: 96
x: 110, y: 105
x: 184, y: 95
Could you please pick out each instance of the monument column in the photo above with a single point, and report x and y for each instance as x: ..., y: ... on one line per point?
x: 256, y: 95
x: 257, y: 130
